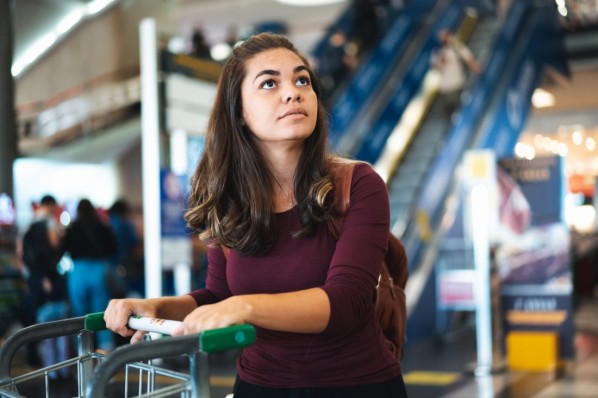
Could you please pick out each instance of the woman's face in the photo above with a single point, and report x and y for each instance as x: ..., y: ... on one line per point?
x: 279, y: 103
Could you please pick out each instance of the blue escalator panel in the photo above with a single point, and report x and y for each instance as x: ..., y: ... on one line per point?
x: 409, y: 85
x: 371, y: 75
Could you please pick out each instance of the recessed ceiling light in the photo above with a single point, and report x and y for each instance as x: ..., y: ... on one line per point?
x: 542, y: 98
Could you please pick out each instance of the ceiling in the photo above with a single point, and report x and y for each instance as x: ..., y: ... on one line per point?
x: 576, y: 102
x: 32, y: 18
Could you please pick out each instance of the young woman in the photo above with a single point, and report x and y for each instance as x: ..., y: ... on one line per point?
x: 91, y: 244
x: 262, y: 196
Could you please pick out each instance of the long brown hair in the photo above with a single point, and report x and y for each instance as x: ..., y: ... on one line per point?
x: 231, y: 200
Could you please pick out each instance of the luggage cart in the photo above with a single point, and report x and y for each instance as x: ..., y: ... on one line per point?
x: 96, y: 372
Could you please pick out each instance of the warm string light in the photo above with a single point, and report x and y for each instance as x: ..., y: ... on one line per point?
x: 571, y: 142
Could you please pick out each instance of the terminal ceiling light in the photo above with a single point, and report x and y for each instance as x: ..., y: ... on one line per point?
x: 309, y: 3
x: 46, y: 41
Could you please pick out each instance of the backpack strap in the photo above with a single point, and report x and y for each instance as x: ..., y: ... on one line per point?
x: 342, y: 173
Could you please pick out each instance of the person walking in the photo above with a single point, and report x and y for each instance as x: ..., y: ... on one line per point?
x: 41, y: 253
x: 128, y: 263
x: 262, y: 197
x: 91, y: 244
x: 450, y: 61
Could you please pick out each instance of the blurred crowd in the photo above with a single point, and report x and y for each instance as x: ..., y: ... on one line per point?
x: 75, y: 269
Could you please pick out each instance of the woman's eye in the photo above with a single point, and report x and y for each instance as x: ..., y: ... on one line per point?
x: 303, y: 81
x: 268, y: 84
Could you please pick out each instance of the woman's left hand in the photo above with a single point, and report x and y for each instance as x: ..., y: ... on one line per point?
x: 232, y: 311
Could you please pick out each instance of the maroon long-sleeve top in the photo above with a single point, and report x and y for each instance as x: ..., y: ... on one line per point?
x: 351, y: 350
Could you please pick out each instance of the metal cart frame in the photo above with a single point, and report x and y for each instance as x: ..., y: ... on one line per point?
x: 94, y: 370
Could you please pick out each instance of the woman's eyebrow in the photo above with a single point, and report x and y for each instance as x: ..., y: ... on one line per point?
x: 273, y: 72
x: 267, y: 72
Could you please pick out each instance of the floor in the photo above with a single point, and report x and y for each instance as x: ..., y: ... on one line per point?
x: 430, y: 370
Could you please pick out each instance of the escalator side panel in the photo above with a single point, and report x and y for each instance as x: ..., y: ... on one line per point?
x: 370, y: 76
x: 409, y: 85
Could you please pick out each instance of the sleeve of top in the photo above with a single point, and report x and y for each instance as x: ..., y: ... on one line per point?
x: 464, y: 52
x: 216, y: 283
x: 359, y: 253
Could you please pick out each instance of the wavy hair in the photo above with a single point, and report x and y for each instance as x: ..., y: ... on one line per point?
x: 232, y: 190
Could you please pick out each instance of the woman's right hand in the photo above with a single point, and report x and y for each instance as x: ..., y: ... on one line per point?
x: 118, y: 312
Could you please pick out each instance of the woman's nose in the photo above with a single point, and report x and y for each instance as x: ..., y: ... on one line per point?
x: 292, y: 95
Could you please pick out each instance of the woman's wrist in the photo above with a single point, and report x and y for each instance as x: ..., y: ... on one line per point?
x: 245, y: 307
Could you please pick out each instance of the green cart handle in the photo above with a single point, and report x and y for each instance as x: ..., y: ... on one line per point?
x: 228, y: 338
x: 95, y: 322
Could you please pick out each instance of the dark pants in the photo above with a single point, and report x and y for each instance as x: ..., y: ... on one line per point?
x: 451, y: 101
x: 394, y: 388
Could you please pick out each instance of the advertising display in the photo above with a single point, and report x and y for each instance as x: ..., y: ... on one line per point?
x: 533, y: 257
x: 176, y: 241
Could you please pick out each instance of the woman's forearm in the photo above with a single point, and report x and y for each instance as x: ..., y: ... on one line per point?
x: 305, y: 311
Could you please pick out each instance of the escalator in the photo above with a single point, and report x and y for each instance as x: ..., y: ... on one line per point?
x: 409, y: 178
x: 423, y: 189
x: 387, y: 62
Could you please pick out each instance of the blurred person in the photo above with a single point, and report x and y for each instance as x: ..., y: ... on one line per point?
x: 262, y: 198
x: 449, y: 61
x: 41, y: 254
x: 366, y: 24
x: 232, y: 37
x: 199, y: 46
x: 127, y: 263
x: 336, y: 63
x: 91, y: 244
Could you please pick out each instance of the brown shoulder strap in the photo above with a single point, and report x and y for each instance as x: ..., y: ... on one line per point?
x: 343, y: 176
x: 342, y: 173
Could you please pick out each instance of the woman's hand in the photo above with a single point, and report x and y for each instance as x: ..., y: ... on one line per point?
x: 232, y: 311
x: 118, y: 312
